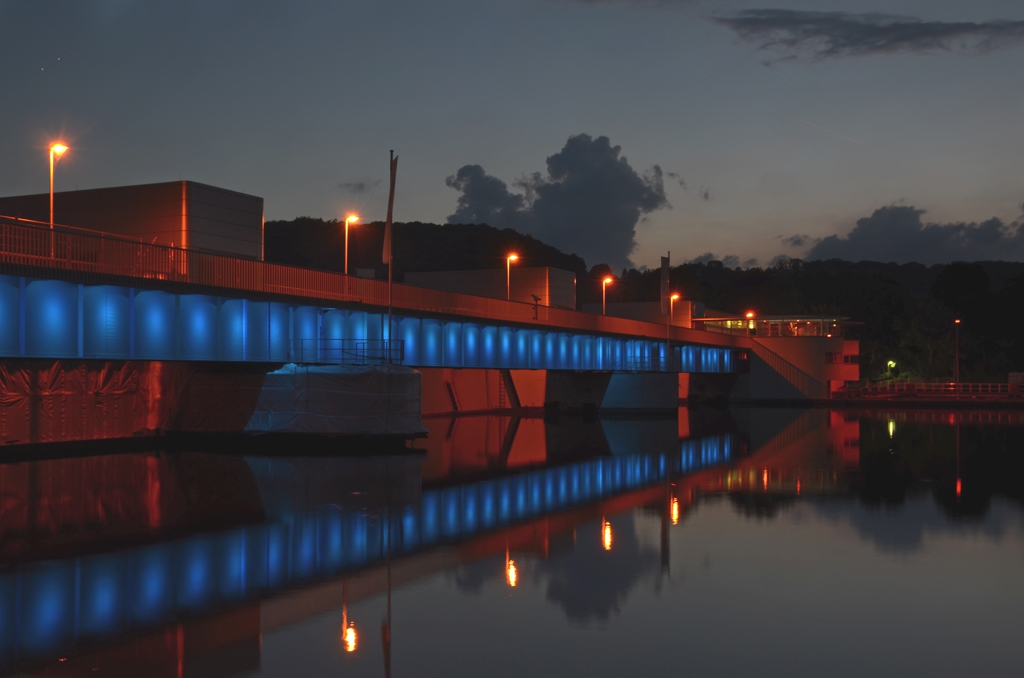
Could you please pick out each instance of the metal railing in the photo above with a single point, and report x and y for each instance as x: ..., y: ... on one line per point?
x: 928, y: 389
x: 352, y: 351
x: 77, y: 250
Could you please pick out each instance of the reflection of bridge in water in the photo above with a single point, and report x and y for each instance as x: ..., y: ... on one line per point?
x: 182, y: 561
x: 56, y: 602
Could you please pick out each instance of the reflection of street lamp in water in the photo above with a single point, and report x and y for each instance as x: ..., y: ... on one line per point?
x: 675, y: 511
x: 606, y: 535
x: 348, y: 629
x: 511, y: 574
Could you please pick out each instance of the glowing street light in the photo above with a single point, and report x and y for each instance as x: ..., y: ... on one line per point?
x: 56, y: 151
x: 350, y: 220
x: 508, y: 274
x: 889, y: 365
x: 604, y: 294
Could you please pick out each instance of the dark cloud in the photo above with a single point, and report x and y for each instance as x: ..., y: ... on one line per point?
x: 822, y: 35
x: 705, y: 193
x: 588, y: 203
x: 358, y: 187
x: 797, y: 240
x: 897, y: 234
x: 729, y: 260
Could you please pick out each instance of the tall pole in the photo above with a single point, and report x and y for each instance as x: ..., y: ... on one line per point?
x: 604, y: 296
x: 956, y: 358
x: 51, y: 204
x: 508, y: 278
x: 668, y: 327
x: 346, y: 246
x: 51, y: 191
x: 56, y: 151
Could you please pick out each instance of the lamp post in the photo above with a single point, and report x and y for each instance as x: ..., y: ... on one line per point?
x: 604, y: 295
x: 508, y: 274
x: 56, y: 151
x: 889, y: 365
x: 349, y: 221
x: 956, y: 353
x: 668, y: 326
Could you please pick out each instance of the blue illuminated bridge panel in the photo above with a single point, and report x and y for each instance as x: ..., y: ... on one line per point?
x: 58, y: 319
x: 51, y: 607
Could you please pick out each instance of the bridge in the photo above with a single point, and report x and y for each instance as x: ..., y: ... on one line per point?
x: 73, y: 293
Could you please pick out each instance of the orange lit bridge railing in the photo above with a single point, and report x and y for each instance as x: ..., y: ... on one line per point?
x: 66, y: 249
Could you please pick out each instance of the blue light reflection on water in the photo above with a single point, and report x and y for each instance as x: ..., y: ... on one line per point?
x: 49, y: 607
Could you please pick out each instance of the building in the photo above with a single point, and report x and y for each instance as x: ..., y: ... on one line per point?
x: 178, y: 213
x: 793, y: 357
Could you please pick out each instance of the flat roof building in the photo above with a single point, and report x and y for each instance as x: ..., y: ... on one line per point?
x: 178, y: 213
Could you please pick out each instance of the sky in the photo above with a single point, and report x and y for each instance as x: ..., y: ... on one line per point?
x: 616, y: 129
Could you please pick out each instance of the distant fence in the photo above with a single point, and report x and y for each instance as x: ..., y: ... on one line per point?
x: 941, y: 390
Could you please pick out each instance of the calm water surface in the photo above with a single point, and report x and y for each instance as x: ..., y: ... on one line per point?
x: 741, y: 542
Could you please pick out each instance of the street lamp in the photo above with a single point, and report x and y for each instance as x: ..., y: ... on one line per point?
x: 56, y: 151
x: 956, y: 358
x: 668, y: 324
x: 508, y: 274
x: 349, y: 221
x: 604, y: 295
x: 891, y: 364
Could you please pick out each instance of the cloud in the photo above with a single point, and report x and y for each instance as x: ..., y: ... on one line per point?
x: 729, y: 260
x: 588, y: 203
x: 823, y: 35
x: 896, y: 233
x: 703, y: 258
x: 678, y: 179
x: 705, y: 193
x: 359, y: 187
x: 797, y: 240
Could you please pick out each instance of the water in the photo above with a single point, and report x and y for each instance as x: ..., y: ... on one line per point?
x: 746, y: 542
